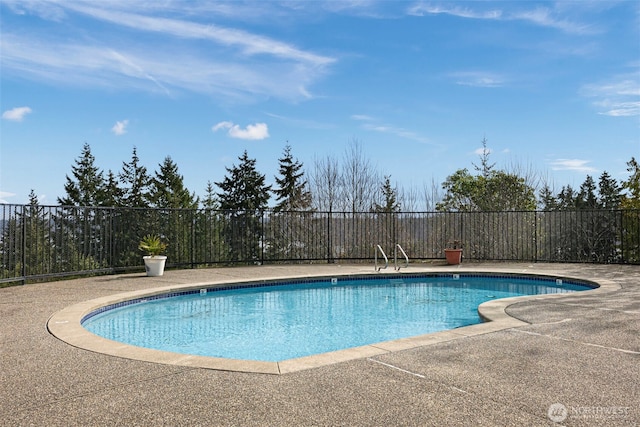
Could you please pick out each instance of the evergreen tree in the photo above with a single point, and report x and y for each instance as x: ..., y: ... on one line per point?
x: 210, y: 200
x: 168, y: 190
x: 292, y: 192
x: 244, y: 196
x: 390, y: 198
x: 136, y: 180
x: 631, y: 216
x: 244, y: 188
x: 113, y: 194
x: 547, y: 199
x: 609, y: 190
x: 86, y: 188
x: 631, y: 198
x: 587, y: 198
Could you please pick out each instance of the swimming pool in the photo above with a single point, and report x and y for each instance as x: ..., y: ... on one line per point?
x: 277, y: 321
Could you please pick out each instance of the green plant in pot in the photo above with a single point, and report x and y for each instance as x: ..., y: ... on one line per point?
x: 453, y: 252
x: 154, y: 261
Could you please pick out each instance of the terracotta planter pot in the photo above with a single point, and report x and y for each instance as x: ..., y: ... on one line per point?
x: 454, y: 256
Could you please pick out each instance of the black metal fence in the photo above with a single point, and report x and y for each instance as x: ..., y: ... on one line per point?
x: 42, y: 242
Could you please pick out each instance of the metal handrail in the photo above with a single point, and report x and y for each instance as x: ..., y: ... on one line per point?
x: 386, y: 260
x: 395, y: 257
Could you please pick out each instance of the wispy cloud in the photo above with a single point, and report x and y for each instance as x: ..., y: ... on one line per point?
x: 540, y: 16
x: 4, y: 195
x: 478, y: 79
x: 371, y: 124
x: 255, y: 131
x: 617, y: 97
x: 182, y: 55
x: 120, y: 128
x: 422, y: 9
x: 16, y: 114
x: 577, y: 165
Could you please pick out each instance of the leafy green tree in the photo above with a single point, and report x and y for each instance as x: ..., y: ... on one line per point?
x: 86, y: 187
x: 244, y: 196
x: 630, y: 202
x: 497, y: 191
x: 484, y: 201
x: 488, y: 190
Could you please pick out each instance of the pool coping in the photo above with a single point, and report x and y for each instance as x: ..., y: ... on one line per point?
x: 66, y: 325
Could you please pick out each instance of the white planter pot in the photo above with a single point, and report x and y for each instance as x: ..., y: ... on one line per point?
x: 154, y: 265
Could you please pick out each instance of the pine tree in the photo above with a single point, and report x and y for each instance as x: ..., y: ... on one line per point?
x: 136, y: 180
x: 609, y: 192
x: 631, y: 198
x: 390, y: 198
x: 168, y: 190
x: 587, y: 198
x: 244, y: 188
x: 292, y: 193
x: 113, y: 194
x: 86, y: 188
x: 245, y: 196
x: 210, y: 200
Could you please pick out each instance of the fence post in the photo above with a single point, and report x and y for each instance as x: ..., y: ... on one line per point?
x: 263, y: 238
x: 23, y: 268
x: 329, y: 258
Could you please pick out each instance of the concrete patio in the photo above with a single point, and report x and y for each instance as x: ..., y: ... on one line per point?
x: 574, y: 359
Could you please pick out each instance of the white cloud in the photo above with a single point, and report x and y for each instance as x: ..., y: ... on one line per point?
x: 422, y: 9
x: 16, y: 114
x: 361, y: 117
x: 4, y: 195
x: 120, y: 128
x: 617, y: 97
x: 540, y: 16
x: 256, y: 131
x: 482, y: 151
x: 478, y: 79
x: 371, y: 124
x: 572, y: 165
x: 180, y: 52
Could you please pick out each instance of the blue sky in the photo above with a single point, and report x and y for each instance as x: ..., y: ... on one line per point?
x: 553, y: 86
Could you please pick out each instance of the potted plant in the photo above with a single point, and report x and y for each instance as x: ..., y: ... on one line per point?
x: 453, y: 252
x: 154, y: 260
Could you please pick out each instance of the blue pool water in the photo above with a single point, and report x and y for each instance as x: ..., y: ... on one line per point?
x: 278, y: 322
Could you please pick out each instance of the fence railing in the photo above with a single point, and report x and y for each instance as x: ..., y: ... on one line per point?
x: 42, y: 242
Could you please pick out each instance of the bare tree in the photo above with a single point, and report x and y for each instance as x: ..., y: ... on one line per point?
x: 360, y: 179
x: 325, y: 184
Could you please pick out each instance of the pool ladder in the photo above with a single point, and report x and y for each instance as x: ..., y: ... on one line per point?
x: 395, y: 258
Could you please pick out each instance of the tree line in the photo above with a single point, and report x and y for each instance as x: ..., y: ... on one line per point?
x: 350, y: 184
x: 340, y: 208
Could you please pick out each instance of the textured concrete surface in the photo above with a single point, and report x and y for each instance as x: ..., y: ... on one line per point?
x: 578, y: 355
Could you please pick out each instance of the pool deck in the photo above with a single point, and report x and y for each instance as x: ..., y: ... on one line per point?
x: 578, y: 353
